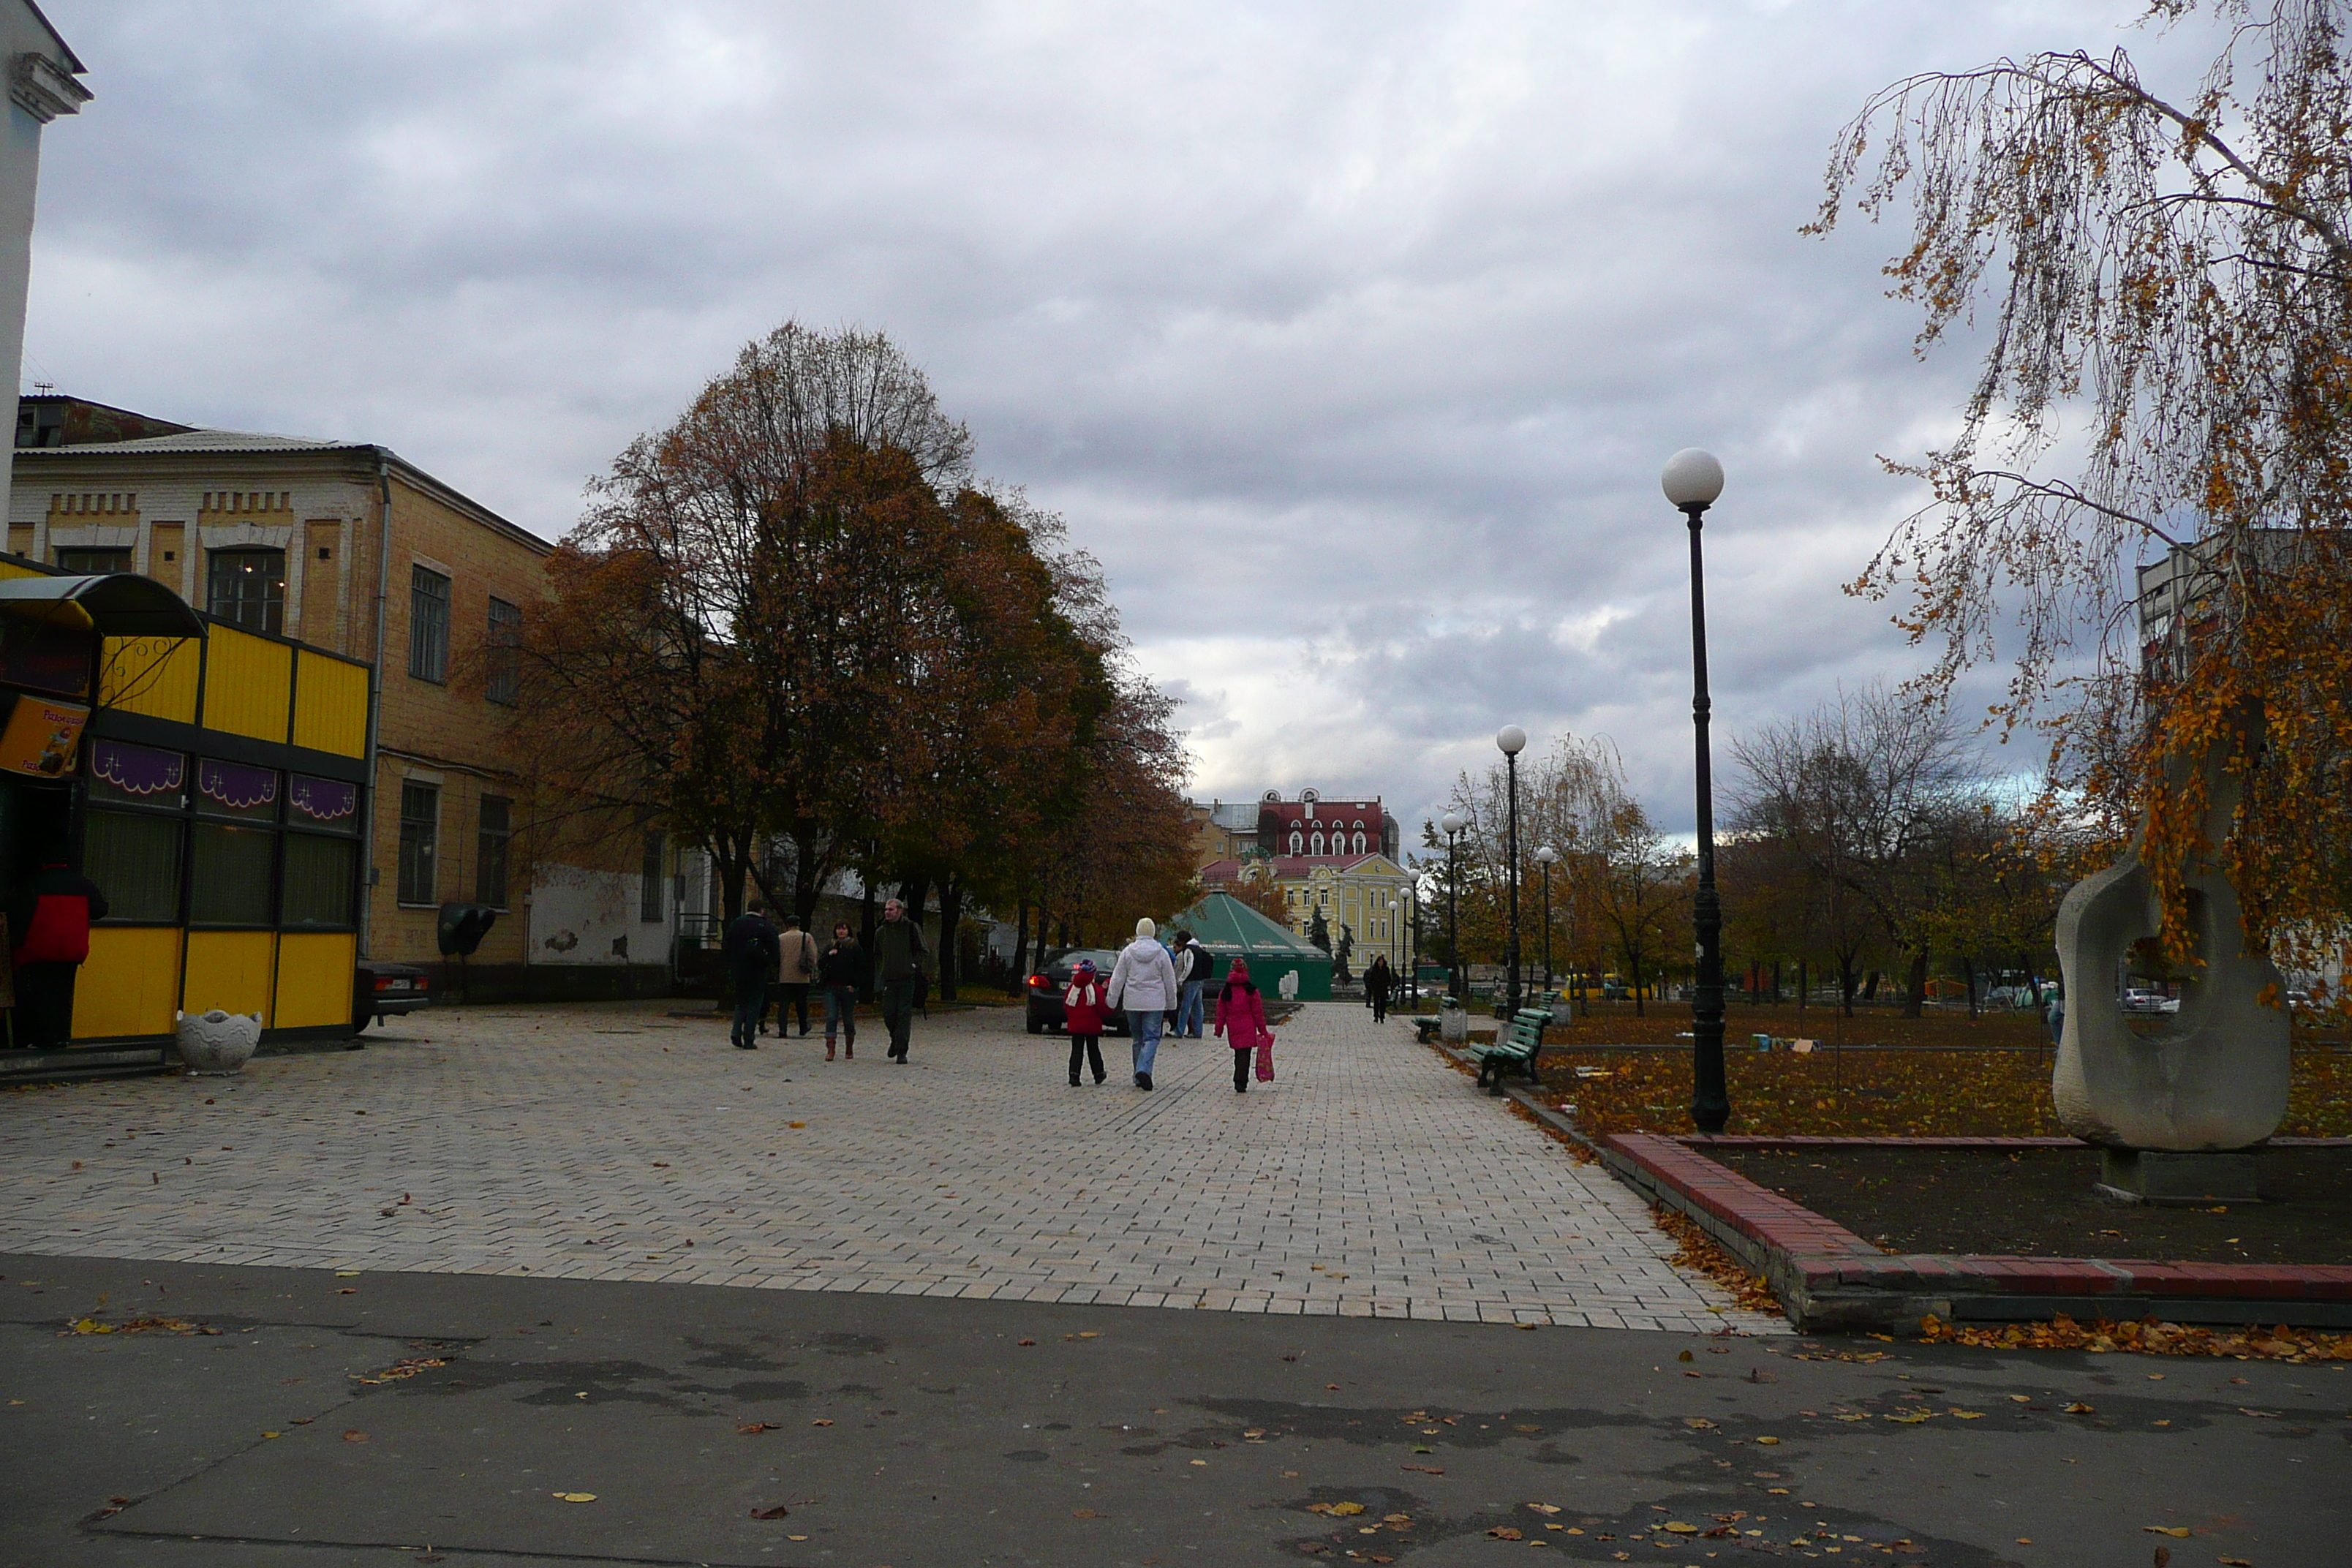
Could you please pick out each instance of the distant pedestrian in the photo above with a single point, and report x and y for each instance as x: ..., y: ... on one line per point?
x: 1085, y: 1009
x: 1193, y: 964
x: 2056, y: 1015
x: 49, y: 923
x: 840, y: 969
x: 1241, y: 1019
x: 752, y: 953
x: 1377, y: 984
x: 1143, y: 982
x: 795, y: 974
x: 899, y: 950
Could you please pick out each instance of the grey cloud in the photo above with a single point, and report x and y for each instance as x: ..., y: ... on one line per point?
x: 1349, y: 336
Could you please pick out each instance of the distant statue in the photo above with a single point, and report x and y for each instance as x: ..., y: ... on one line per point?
x: 1288, y: 988
x: 1347, y: 947
x: 1319, y: 932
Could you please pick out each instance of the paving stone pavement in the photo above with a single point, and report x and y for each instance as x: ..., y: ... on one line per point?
x: 617, y: 1142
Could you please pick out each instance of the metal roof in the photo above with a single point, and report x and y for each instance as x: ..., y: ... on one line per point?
x: 203, y: 441
x: 119, y: 604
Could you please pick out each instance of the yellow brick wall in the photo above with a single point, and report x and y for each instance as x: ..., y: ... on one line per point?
x: 451, y: 729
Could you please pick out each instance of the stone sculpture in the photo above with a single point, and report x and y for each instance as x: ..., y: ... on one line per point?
x: 219, y: 1044
x: 2172, y: 1111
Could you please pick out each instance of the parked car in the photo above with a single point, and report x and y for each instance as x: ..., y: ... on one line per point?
x: 1047, y: 985
x: 2137, y: 1000
x: 384, y: 989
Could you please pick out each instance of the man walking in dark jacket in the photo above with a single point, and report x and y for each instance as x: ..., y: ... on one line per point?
x: 898, y: 953
x: 752, y: 953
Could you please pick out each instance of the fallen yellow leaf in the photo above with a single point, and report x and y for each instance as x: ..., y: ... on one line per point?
x: 1676, y: 1527
x: 2178, y: 1531
x: 1766, y: 1442
x: 574, y: 1497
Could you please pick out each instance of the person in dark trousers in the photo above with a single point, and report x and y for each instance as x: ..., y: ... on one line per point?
x: 1085, y: 1009
x: 840, y: 970
x: 1241, y: 1019
x: 1377, y: 984
x: 1191, y: 960
x: 49, y: 925
x: 899, y: 950
x: 797, y: 971
x: 752, y: 953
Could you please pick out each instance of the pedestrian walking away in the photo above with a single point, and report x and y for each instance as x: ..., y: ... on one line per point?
x: 1143, y: 982
x: 1377, y: 984
x: 2055, y: 1016
x: 898, y: 949
x: 839, y: 968
x: 795, y: 975
x: 1241, y: 1019
x: 1192, y: 961
x: 752, y: 953
x: 1085, y: 1009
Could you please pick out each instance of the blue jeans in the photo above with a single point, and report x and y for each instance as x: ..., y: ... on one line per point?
x: 1188, y: 1010
x: 750, y: 1002
x: 1143, y: 1035
x: 841, y: 1009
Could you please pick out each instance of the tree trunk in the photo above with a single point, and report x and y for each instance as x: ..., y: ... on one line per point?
x: 1846, y: 987
x: 1776, y: 983
x: 1969, y: 973
x: 1870, y: 987
x: 1634, y: 956
x: 809, y: 875
x: 869, y: 911
x: 1021, y: 948
x: 1915, y: 989
x: 950, y: 916
x: 2033, y: 981
x: 1800, y: 986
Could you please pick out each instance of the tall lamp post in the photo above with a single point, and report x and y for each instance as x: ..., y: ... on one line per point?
x: 1510, y: 740
x: 1692, y: 480
x: 1545, y: 856
x: 1453, y: 822
x: 1408, y: 947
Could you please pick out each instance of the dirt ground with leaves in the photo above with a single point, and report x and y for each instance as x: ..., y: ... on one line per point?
x: 1877, y: 1092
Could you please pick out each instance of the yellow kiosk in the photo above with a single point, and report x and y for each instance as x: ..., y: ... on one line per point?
x: 210, y: 780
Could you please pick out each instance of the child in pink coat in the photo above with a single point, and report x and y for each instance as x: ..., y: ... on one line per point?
x: 1241, y: 1019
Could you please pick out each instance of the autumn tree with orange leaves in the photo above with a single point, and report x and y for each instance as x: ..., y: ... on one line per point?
x: 2165, y: 282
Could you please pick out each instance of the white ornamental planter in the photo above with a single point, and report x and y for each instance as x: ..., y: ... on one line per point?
x: 219, y: 1044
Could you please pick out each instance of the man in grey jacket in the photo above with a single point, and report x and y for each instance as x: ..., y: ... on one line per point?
x: 1143, y: 982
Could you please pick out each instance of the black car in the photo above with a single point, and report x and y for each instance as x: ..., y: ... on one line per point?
x: 1047, y: 985
x: 384, y: 989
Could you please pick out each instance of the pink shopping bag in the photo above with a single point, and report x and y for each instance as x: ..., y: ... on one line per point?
x: 1265, y: 1061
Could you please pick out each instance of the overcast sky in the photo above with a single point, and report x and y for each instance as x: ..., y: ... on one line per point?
x: 1351, y: 336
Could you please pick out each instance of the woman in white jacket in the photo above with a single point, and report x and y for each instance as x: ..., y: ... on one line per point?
x: 1143, y: 982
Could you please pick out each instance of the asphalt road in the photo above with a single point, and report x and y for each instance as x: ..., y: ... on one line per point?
x: 405, y: 1419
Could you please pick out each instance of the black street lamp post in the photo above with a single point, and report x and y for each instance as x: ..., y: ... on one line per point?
x: 1455, y: 979
x: 1544, y: 857
x: 1512, y: 740
x: 1693, y: 479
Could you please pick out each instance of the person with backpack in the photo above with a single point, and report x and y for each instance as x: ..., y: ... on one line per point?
x: 49, y: 916
x: 751, y: 953
x: 796, y: 972
x: 1241, y: 1019
x: 1085, y: 1009
x: 1192, y: 963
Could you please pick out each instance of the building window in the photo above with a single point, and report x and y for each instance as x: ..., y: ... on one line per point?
x: 1360, y: 844
x: 318, y: 882
x: 135, y: 858
x: 1297, y: 843
x: 649, y: 894
x: 93, y: 562
x: 490, y: 851
x: 428, y: 625
x: 420, y: 841
x: 247, y: 587
x: 505, y: 684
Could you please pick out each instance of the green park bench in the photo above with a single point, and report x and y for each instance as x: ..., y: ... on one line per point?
x: 1515, y: 1047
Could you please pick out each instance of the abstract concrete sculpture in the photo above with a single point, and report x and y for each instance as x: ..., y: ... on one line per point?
x: 2170, y: 1109
x: 217, y: 1043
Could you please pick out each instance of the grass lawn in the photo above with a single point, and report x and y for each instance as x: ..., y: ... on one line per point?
x: 1980, y: 1083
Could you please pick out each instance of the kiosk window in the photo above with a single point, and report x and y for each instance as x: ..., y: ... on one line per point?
x: 230, y: 875
x: 134, y: 859
x: 318, y: 881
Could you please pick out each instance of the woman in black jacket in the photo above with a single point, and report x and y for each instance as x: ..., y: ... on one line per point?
x: 839, y: 969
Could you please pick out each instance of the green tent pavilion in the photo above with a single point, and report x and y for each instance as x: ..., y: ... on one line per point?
x: 1230, y: 929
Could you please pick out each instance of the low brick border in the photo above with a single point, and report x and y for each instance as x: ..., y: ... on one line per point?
x: 1831, y: 1280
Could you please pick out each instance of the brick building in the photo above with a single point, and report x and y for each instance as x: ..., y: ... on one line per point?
x: 350, y: 548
